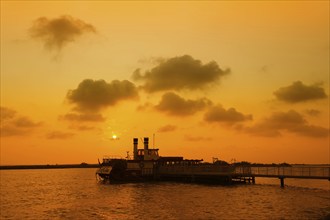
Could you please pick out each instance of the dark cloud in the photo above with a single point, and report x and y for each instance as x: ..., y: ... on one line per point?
x: 59, y: 135
x: 81, y: 127
x: 95, y: 95
x: 57, y: 32
x: 82, y: 121
x: 173, y: 104
x: 290, y: 121
x: 298, y: 92
x: 12, y: 124
x: 6, y: 113
x: 167, y: 128
x: 91, y: 117
x: 197, y: 138
x: 179, y: 73
x: 313, y: 112
x: 8, y: 130
x: 25, y: 122
x: 219, y: 114
x: 311, y: 131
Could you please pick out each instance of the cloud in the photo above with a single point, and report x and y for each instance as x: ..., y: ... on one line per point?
x: 219, y: 114
x: 175, y: 105
x: 197, y: 138
x: 89, y: 117
x: 167, y: 128
x: 95, y: 95
x: 177, y: 73
x: 25, y: 122
x: 81, y: 127
x: 9, y: 130
x: 298, y: 92
x: 6, y: 113
x: 290, y: 121
x: 313, y: 112
x: 12, y: 124
x: 311, y: 131
x: 78, y: 120
x: 59, y: 135
x: 58, y: 32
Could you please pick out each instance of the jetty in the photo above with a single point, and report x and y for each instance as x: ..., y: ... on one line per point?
x: 301, y: 172
x: 232, y: 173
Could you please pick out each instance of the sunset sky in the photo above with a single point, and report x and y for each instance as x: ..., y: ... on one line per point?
x: 243, y: 81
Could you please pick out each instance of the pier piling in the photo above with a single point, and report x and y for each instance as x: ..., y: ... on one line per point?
x: 282, y: 181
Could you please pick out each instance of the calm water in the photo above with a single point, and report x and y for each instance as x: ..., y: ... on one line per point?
x: 75, y: 194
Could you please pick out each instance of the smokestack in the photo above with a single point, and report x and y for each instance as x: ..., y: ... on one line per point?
x: 146, y: 143
x: 135, y: 148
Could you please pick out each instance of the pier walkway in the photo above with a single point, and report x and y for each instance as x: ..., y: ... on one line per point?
x: 305, y: 172
x: 302, y: 172
x: 243, y: 173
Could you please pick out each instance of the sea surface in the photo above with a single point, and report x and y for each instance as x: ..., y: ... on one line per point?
x: 75, y: 194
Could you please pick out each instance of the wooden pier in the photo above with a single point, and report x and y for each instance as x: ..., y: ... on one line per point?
x: 302, y: 172
x: 213, y: 172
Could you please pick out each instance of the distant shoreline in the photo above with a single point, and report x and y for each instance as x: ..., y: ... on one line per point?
x: 47, y: 166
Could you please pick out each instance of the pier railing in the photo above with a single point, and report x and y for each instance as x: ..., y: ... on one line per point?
x: 308, y: 172
x: 288, y: 172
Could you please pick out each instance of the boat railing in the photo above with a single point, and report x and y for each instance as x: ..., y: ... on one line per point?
x: 112, y: 157
x: 196, y: 169
x: 108, y: 158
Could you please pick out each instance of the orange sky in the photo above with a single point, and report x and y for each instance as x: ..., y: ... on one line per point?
x: 235, y: 80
